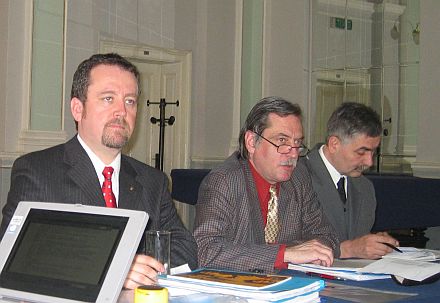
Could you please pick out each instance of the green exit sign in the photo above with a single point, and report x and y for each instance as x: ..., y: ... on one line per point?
x: 337, y: 22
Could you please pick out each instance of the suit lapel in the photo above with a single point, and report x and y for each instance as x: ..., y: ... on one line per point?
x: 130, y: 190
x: 322, y: 177
x: 82, y: 173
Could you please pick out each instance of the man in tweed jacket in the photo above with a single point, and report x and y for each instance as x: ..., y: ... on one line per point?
x: 233, y: 199
x: 103, y: 103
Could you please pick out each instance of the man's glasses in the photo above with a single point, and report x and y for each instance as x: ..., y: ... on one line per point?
x: 285, y: 148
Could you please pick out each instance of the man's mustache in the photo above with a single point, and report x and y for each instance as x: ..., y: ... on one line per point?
x: 117, y: 121
x: 289, y: 162
x: 362, y: 168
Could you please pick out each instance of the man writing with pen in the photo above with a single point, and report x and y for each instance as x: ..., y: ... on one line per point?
x: 348, y: 197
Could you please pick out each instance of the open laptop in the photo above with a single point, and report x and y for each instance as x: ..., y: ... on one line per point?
x: 65, y: 253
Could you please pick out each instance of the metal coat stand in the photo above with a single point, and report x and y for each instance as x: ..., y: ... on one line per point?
x: 162, y: 123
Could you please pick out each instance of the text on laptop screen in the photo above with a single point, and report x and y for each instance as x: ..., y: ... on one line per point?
x: 63, y: 254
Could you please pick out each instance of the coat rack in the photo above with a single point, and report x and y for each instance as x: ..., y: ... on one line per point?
x: 162, y: 123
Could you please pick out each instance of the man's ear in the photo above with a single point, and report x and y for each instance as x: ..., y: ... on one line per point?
x: 333, y: 144
x: 249, y: 140
x: 77, y: 108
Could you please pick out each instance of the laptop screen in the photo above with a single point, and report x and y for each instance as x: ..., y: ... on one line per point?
x: 63, y: 254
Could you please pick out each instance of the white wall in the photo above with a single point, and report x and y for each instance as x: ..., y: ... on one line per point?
x: 3, y: 65
x: 286, y: 54
x: 428, y: 140
x: 209, y: 31
x: 207, y: 28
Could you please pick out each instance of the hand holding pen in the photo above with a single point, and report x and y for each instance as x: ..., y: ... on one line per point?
x: 370, y: 246
x: 392, y: 247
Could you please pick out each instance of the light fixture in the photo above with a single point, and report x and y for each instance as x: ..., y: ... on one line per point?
x: 416, y: 33
x: 395, y: 33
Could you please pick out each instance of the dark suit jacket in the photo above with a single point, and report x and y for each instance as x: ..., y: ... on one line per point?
x: 229, y: 227
x: 65, y: 174
x: 360, y: 205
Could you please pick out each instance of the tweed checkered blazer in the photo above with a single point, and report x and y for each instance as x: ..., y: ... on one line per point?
x: 65, y: 174
x: 229, y: 228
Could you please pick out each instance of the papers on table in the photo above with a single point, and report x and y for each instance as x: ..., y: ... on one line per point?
x: 408, y: 269
x: 345, y: 269
x: 411, y: 264
x: 412, y: 253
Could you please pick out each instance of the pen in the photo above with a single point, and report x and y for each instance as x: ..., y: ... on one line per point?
x: 324, y: 276
x: 392, y: 246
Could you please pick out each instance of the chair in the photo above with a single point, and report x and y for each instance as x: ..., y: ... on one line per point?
x: 185, y: 184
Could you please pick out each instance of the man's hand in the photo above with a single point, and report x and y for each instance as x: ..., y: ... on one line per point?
x: 143, y: 271
x: 368, y: 247
x: 311, y: 251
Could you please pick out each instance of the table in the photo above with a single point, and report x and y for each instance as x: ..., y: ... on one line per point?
x: 426, y: 293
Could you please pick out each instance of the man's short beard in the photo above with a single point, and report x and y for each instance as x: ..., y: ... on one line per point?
x: 112, y: 142
x: 116, y: 139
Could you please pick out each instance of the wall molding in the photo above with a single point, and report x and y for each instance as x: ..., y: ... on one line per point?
x: 32, y: 140
x: 326, y: 7
x: 8, y: 158
x: 206, y: 162
x: 236, y: 114
x: 426, y: 169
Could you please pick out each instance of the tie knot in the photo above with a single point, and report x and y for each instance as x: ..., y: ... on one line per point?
x: 273, y: 190
x: 107, y: 172
x: 341, y: 182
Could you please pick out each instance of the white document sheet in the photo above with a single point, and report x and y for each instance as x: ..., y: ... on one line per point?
x: 412, y: 253
x: 408, y: 269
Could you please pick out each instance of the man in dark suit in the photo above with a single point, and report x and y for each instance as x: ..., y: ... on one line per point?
x: 257, y: 211
x: 348, y: 197
x: 104, y: 98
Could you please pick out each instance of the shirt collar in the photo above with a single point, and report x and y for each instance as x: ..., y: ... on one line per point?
x: 98, y: 164
x: 261, y: 183
x: 331, y: 169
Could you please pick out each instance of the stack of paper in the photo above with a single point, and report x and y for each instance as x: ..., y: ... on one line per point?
x: 250, y: 286
x: 411, y: 263
x: 342, y: 268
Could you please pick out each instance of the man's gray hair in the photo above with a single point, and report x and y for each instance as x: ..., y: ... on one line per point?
x: 351, y: 119
x: 256, y: 120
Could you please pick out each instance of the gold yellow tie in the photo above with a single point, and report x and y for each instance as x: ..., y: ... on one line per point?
x: 271, y: 229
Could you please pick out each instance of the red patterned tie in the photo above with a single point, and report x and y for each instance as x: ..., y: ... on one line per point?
x: 109, y: 197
